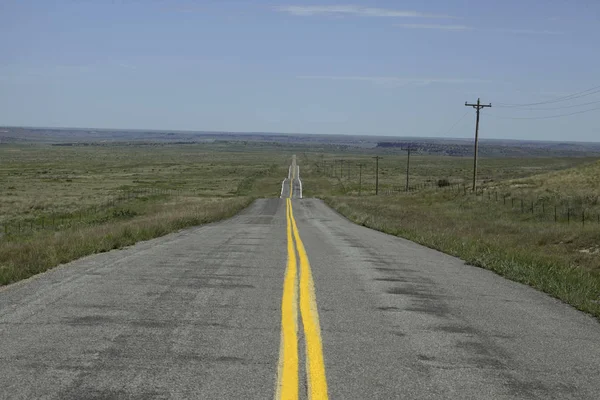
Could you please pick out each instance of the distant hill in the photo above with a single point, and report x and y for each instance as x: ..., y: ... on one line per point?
x: 493, y: 148
x: 383, y: 144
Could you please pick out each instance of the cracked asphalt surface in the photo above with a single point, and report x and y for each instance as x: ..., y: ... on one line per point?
x: 196, y: 315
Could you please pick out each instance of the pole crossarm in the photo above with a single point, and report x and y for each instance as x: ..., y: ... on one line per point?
x: 478, y: 106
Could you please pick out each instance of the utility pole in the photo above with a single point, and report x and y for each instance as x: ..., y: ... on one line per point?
x: 477, y: 107
x: 377, y: 174
x: 407, y: 168
x: 359, y: 177
x: 342, y: 169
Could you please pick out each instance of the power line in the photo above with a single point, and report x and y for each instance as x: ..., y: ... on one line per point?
x: 573, y: 96
x: 561, y: 107
x: 550, y: 116
x: 456, y: 123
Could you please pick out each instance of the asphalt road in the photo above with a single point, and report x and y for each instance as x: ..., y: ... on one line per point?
x: 198, y: 315
x: 292, y: 182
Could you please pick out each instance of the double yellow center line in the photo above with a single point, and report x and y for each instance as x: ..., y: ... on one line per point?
x: 287, y: 379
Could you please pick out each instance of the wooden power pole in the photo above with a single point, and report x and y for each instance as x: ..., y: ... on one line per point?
x: 477, y: 107
x: 377, y: 174
x: 407, y: 167
x: 359, y: 177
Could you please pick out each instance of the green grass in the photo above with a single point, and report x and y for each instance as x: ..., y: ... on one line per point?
x: 23, y: 258
x: 576, y: 188
x: 560, y: 259
x: 107, y: 197
x: 42, y: 180
x: 323, y: 170
x: 62, y: 203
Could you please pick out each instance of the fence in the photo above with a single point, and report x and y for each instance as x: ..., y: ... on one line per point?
x: 540, y: 208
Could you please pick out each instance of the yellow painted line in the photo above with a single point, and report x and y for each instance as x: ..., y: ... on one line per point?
x: 287, y: 374
x: 315, y: 364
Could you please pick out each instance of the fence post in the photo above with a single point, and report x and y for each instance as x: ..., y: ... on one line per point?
x: 532, y: 206
x: 555, y: 213
x: 522, y: 206
x: 568, y: 215
x: 582, y: 217
x: 512, y: 202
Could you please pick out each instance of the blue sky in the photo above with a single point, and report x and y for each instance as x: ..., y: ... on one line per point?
x: 401, y: 68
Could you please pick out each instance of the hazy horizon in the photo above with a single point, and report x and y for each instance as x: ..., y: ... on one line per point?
x: 204, y: 131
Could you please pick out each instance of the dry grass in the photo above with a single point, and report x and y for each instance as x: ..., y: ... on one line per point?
x: 583, y: 181
x: 544, y: 255
x: 560, y: 259
x: 65, y: 197
x: 574, y: 187
x: 323, y: 171
x: 20, y: 259
x: 46, y: 180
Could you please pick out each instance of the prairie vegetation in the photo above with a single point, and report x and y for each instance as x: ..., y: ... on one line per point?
x: 110, y: 196
x: 561, y: 259
x: 60, y: 203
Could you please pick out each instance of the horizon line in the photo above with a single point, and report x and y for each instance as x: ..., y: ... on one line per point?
x: 188, y: 131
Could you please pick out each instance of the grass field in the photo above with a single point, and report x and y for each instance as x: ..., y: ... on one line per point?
x: 62, y: 202
x: 326, y: 169
x: 53, y: 179
x: 558, y: 258
x: 70, y: 201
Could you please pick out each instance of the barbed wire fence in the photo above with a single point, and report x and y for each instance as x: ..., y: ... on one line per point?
x: 540, y: 208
